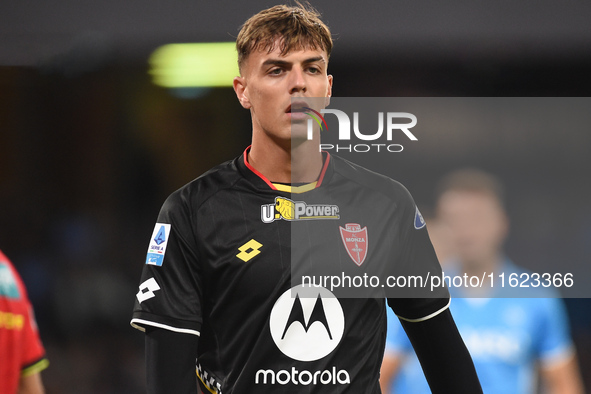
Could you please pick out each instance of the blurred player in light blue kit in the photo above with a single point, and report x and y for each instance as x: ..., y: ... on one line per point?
x: 511, y: 340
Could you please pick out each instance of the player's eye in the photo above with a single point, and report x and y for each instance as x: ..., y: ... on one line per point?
x: 276, y: 71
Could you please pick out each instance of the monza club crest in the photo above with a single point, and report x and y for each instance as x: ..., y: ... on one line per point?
x: 355, y: 241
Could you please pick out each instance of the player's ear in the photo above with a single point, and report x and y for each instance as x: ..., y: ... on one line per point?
x: 241, y: 91
x: 328, y: 91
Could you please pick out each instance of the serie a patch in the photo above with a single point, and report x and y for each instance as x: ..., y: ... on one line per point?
x: 158, y: 244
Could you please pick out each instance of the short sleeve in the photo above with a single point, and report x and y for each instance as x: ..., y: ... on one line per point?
x: 169, y: 294
x: 33, y: 355
x: 553, y: 344
x: 418, y: 296
x: 22, y: 350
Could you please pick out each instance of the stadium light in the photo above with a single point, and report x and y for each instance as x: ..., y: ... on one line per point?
x: 211, y: 64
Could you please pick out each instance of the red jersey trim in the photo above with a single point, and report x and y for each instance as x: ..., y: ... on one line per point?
x: 270, y: 184
x: 245, y: 154
x: 321, y: 177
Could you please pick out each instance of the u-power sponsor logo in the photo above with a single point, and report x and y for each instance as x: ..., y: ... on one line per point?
x: 290, y: 210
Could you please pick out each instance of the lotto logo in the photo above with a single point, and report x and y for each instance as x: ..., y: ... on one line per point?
x: 249, y: 250
x: 147, y: 290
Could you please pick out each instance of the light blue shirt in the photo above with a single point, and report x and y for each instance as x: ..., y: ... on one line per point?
x: 505, y: 336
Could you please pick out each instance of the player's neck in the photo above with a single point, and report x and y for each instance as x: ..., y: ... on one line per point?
x: 286, y: 164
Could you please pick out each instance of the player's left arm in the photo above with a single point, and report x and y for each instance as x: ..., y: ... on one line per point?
x: 30, y: 381
x: 557, y: 357
x: 563, y: 377
x: 390, y: 367
x: 424, y: 311
x: 32, y: 353
x: 443, y: 355
x: 31, y: 384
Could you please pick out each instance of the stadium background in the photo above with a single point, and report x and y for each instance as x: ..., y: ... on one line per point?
x: 90, y: 147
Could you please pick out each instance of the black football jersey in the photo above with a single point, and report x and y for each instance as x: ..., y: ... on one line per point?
x: 251, y: 267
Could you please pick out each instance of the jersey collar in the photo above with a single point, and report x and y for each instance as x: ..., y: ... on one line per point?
x: 262, y: 182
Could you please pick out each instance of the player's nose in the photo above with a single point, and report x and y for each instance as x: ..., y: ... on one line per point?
x: 297, y: 81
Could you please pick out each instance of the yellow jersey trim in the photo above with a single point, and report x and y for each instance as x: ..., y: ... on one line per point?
x: 295, y: 189
x: 35, y: 368
x: 204, y: 384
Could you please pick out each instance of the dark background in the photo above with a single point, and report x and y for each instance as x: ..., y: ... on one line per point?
x: 90, y: 148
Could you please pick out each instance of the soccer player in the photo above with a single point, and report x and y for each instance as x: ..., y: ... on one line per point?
x: 508, y: 338
x: 216, y: 294
x: 22, y: 356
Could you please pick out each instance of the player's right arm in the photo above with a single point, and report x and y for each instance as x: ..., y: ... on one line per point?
x: 170, y: 362
x: 168, y: 303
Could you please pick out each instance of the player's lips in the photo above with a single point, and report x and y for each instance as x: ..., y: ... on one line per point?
x: 297, y: 110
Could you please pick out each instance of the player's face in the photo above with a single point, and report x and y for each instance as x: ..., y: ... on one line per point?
x: 476, y: 223
x: 270, y: 81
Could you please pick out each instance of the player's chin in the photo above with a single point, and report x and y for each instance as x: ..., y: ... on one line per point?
x: 299, y: 140
x: 298, y: 130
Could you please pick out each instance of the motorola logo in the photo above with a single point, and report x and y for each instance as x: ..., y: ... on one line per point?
x: 307, y: 328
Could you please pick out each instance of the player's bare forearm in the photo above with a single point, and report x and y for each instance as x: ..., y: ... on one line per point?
x: 31, y: 384
x: 444, y: 357
x: 388, y: 371
x: 563, y: 378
